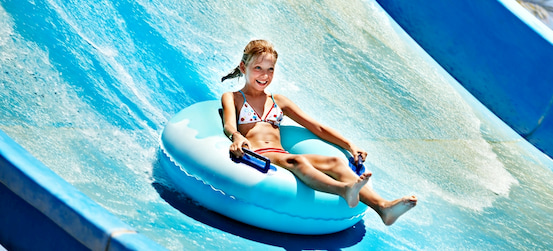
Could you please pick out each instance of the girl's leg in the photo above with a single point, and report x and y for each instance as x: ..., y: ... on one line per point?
x: 304, y: 170
x: 337, y: 168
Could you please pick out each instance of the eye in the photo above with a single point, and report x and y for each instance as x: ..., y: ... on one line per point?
x: 258, y: 68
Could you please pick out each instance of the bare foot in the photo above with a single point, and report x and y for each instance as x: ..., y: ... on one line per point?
x: 391, y: 212
x: 352, y: 190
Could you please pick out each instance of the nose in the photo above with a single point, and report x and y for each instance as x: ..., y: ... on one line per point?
x: 265, y: 74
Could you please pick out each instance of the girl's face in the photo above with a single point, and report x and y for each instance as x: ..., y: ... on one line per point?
x: 259, y: 72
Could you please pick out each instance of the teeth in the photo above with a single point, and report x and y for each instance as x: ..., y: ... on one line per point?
x: 264, y: 82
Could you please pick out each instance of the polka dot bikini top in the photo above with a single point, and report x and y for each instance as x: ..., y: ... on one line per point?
x: 249, y: 115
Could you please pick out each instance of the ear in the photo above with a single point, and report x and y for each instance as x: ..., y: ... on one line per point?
x: 243, y: 68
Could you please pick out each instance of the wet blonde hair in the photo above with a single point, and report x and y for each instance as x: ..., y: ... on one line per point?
x: 254, y: 49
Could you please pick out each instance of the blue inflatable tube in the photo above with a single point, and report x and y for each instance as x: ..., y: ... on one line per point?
x: 197, y: 161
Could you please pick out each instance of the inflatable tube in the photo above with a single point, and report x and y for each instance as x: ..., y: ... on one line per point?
x: 197, y: 161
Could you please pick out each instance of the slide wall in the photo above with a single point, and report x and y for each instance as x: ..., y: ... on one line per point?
x: 37, y: 203
x: 504, y: 60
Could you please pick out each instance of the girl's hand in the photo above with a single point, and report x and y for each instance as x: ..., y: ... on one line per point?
x: 238, y: 141
x: 355, y: 151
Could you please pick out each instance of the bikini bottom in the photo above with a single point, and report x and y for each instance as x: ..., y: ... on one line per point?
x: 270, y: 150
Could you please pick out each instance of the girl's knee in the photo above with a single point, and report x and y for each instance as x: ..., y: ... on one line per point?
x: 336, y: 162
x: 296, y: 159
x: 298, y: 162
x: 340, y: 169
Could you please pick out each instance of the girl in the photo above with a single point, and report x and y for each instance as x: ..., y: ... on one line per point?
x: 252, y: 118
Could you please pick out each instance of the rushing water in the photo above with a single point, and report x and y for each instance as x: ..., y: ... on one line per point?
x: 87, y: 87
x: 541, y: 9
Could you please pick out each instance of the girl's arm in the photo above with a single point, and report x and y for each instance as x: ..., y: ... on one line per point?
x: 324, y: 132
x: 229, y: 125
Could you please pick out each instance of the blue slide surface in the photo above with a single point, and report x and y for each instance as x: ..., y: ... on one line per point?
x: 86, y: 87
x: 496, y: 50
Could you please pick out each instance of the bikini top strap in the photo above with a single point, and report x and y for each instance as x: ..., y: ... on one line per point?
x: 272, y: 97
x: 244, y: 96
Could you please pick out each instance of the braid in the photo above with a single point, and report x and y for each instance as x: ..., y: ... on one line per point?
x: 254, y: 49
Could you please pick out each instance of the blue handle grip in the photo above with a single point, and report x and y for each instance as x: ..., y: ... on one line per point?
x: 250, y: 158
x: 359, y: 160
x: 358, y: 166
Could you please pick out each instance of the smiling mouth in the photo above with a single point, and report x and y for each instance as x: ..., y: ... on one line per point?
x: 261, y: 82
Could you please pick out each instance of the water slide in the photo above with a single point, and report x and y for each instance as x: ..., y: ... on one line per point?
x: 87, y: 87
